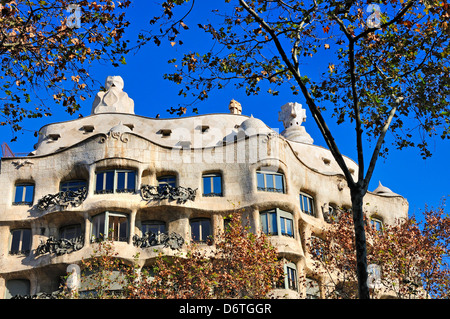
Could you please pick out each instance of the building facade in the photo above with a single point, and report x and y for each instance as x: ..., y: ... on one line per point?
x: 99, y: 175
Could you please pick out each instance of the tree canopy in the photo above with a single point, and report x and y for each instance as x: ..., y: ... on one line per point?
x: 46, y: 48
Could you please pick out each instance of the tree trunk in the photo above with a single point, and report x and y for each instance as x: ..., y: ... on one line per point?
x: 357, y: 195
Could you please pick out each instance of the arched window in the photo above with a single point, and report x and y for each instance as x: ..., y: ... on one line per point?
x: 307, y: 204
x: 115, y: 181
x: 269, y: 181
x: 377, y: 223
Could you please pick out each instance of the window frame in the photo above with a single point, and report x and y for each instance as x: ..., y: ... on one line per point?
x: 170, y: 183
x: 115, y: 189
x: 23, y: 201
x: 273, y: 175
x: 281, y: 218
x: 377, y: 223
x: 148, y: 223
x: 200, y: 231
x: 65, y: 188
x: 20, y: 250
x: 291, y: 277
x: 106, y: 227
x: 63, y: 229
x: 210, y: 177
x: 311, y: 204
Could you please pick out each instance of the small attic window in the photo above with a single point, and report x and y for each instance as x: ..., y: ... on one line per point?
x: 326, y: 161
x: 54, y: 137
x: 185, y: 144
x: 130, y: 126
x: 165, y: 132
x: 88, y: 128
x: 204, y: 128
x: 351, y: 170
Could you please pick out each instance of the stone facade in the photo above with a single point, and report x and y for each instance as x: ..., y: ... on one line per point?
x: 104, y: 169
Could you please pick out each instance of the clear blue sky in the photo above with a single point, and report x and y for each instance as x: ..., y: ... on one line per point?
x: 404, y: 172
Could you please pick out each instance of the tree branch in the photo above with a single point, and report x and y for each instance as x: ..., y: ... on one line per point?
x: 329, y: 139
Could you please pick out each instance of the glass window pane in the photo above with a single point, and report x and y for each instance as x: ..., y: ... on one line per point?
x: 269, y: 182
x: 279, y: 185
x: 123, y: 228
x: 264, y: 224
x: 217, y: 184
x: 26, y: 240
x: 15, y: 241
x: 98, y: 226
x: 153, y: 227
x: 195, y: 230
x: 167, y: 180
x: 289, y: 227
x: 70, y: 232
x: 29, y: 192
x: 131, y: 180
x: 283, y: 225
x: 99, y: 182
x: 273, y: 223
x: 72, y: 185
x: 16, y: 287
x: 207, y: 185
x: 109, y: 181
x: 19, y: 194
x: 206, y: 229
x: 260, y: 179
x: 121, y: 180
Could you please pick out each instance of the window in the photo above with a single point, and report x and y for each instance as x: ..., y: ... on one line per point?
x: 332, y: 216
x: 377, y: 223
x: 287, y: 226
x: 110, y: 225
x: 20, y: 242
x: 17, y: 287
x: 316, y: 249
x: 291, y: 276
x: 307, y: 204
x: 277, y: 222
x: 201, y: 229
x: 115, y: 181
x: 24, y: 194
x: 70, y: 232
x: 167, y: 180
x: 312, y: 289
x: 153, y: 226
x: 270, y: 182
x: 269, y: 222
x: 212, y: 185
x: 72, y: 185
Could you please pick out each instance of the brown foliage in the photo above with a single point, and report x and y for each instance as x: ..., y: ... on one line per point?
x: 239, y: 264
x: 413, y: 256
